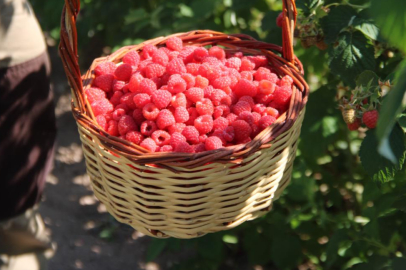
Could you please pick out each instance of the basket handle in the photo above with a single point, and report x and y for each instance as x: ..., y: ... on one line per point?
x: 288, y: 28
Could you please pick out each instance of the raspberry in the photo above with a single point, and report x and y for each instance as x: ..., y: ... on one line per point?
x: 101, y: 107
x: 370, y: 118
x: 112, y: 128
x: 208, y: 91
x: 128, y: 99
x: 104, y: 82
x: 176, y: 138
x: 258, y: 60
x: 241, y: 106
x: 199, y: 148
x: 150, y: 111
x: 184, y: 147
x: 354, y: 126
x: 123, y: 72
x: 161, y: 137
x: 143, y: 64
x: 279, y: 20
x: 154, y: 71
x: 202, y: 138
x: 204, y: 124
x: 231, y: 118
x: 132, y: 58
x: 148, y: 51
x: 138, y: 117
x: 166, y: 148
x: 149, y: 144
x: 247, y: 75
x: 147, y: 127
x: 186, y: 54
x: 173, y: 55
x: 233, y: 62
x: 165, y: 118
x: 189, y: 79
x: 141, y: 100
x: 220, y: 97
x: 229, y: 134
x: 256, y: 117
x: 255, y: 130
x: 191, y: 134
x: 222, y: 83
x: 201, y: 82
x: 160, y: 57
x: 200, y: 53
x: 194, y: 94
x: 217, y: 52
x: 101, y: 121
x: 118, y: 113
x: 248, y: 99
x: 147, y: 86
x: 247, y: 117
x: 104, y: 68
x: 266, y: 87
x: 282, y: 96
x: 135, y: 81
x: 181, y: 115
x: 246, y: 65
x: 266, y: 121
x: 245, y: 88
x: 165, y: 50
x: 193, y: 68
x: 176, y: 84
x: 213, y: 143
x: 126, y: 124
x: 286, y: 81
x: 179, y: 100
x: 220, y: 123
x: 178, y: 127
x: 272, y: 112
x: 118, y: 85
x: 161, y: 98
x: 93, y: 94
x: 242, y: 130
x: 134, y: 137
x: 174, y: 43
x: 193, y: 114
x: 176, y: 66
x: 205, y: 106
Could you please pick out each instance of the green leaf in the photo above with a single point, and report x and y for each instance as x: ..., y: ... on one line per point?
x: 333, y: 246
x: 400, y: 203
x: 380, y: 168
x: 338, y: 18
x: 402, y: 122
x: 390, y: 17
x: 185, y: 11
x: 155, y: 248
x: 307, y: 5
x: 351, y: 57
x: 367, y: 77
x: 390, y: 109
x: 366, y: 25
x: 286, y: 251
x: 230, y: 239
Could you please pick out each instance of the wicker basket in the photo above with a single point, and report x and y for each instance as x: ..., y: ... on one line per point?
x: 188, y: 195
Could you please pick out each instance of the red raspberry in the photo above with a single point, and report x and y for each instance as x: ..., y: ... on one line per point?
x: 149, y: 144
x: 161, y: 98
x: 160, y: 57
x: 148, y: 51
x: 101, y: 121
x: 93, y: 94
x: 241, y: 106
x: 128, y: 99
x: 179, y: 100
x: 259, y: 108
x: 202, y: 138
x: 134, y: 137
x: 126, y: 124
x: 213, y: 143
x: 112, y: 128
x: 208, y: 91
x: 123, y: 72
x: 178, y: 127
x: 161, y: 137
x: 217, y: 52
x: 199, y: 148
x: 150, y: 111
x: 231, y: 118
x: 143, y: 64
x: 135, y: 82
x: 104, y: 68
x: 242, y: 130
x: 193, y: 68
x: 141, y: 100
x: 189, y: 79
x: 247, y: 75
x: 256, y: 117
x: 118, y: 113
x: 245, y: 88
x: 266, y: 87
x: 258, y: 60
x: 186, y: 54
x: 173, y: 55
x: 220, y: 123
x: 165, y: 50
x: 176, y: 84
x: 147, y: 86
x: 266, y: 121
x: 248, y: 99
x: 104, y: 82
x: 220, y: 97
x: 147, y: 127
x: 181, y: 115
x: 246, y: 65
x: 118, y: 85
x: 201, y: 82
x: 354, y: 126
x: 222, y: 83
x: 166, y: 148
x: 194, y: 94
x: 176, y: 138
x: 184, y: 147
x: 176, y: 66
x: 174, y: 44
x: 205, y: 106
x: 279, y: 20
x: 272, y: 112
x: 138, y: 117
x: 247, y: 117
x: 154, y: 71
x: 282, y: 96
x: 132, y: 58
x: 221, y: 110
x: 229, y: 134
x: 193, y: 114
x: 165, y: 119
x: 191, y: 134
x: 101, y: 107
x: 233, y: 62
x: 370, y: 118
x: 204, y: 124
x: 200, y: 53
x: 286, y: 81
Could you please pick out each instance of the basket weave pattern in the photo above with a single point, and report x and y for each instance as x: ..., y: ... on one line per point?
x: 188, y: 195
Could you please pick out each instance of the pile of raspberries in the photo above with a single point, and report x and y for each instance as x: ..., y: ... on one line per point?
x: 187, y: 98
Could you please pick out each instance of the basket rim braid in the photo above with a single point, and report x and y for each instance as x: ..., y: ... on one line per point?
x: 287, y: 64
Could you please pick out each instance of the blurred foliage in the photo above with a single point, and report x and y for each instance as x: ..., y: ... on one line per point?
x: 332, y: 215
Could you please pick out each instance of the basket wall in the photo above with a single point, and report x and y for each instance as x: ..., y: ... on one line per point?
x: 210, y: 198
